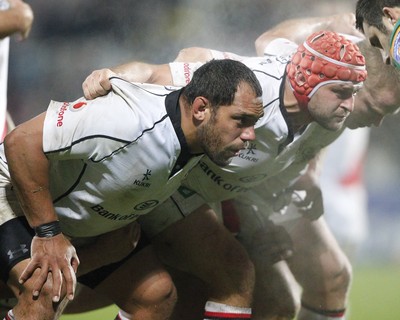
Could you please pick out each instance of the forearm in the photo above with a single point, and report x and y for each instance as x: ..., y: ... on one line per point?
x: 194, y: 54
x: 302, y: 28
x: 144, y: 72
x: 29, y: 170
x: 297, y: 30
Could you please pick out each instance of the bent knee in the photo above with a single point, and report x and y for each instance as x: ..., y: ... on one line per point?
x: 156, y: 291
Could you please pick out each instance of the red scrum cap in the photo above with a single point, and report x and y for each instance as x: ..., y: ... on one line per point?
x: 325, y: 57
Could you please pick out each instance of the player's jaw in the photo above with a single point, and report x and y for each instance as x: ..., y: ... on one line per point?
x: 215, y: 147
x: 221, y: 155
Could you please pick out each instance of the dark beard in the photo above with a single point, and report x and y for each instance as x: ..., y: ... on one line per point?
x: 210, y: 141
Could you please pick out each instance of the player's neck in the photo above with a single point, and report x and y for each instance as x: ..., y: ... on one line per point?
x: 298, y: 117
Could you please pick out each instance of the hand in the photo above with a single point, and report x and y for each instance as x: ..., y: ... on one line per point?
x: 97, y: 83
x: 23, y: 17
x: 272, y: 242
x: 309, y: 202
x: 53, y: 255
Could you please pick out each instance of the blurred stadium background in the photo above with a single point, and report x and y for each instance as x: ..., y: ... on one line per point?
x: 71, y: 38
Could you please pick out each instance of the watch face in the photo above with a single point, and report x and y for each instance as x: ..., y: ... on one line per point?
x: 395, y: 45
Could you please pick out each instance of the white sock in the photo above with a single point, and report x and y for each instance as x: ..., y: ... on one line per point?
x: 10, y: 315
x: 307, y: 313
x: 122, y: 315
x: 220, y: 311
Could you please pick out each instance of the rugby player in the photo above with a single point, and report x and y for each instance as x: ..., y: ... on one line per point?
x: 285, y: 125
x: 85, y: 168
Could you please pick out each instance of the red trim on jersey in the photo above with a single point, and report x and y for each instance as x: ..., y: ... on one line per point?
x: 8, y: 317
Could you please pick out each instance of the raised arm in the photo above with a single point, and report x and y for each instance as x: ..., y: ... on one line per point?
x: 29, y: 170
x: 194, y: 54
x: 98, y: 82
x: 297, y: 30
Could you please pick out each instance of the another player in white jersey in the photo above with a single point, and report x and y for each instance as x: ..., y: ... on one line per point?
x: 287, y: 121
x: 102, y: 163
x: 318, y: 263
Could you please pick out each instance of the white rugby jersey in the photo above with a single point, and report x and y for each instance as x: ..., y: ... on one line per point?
x: 275, y: 147
x: 114, y: 158
x: 4, y: 53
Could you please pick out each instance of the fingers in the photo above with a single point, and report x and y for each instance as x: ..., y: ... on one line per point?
x: 28, y: 272
x: 70, y: 282
x: 54, y: 261
x: 75, y: 263
x: 97, y: 84
x: 56, y: 284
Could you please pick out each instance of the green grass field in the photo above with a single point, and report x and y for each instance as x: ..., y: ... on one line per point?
x: 375, y: 295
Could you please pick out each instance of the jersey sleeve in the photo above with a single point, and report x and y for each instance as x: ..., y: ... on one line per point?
x: 85, y: 129
x: 182, y: 72
x: 219, y: 55
x: 280, y: 47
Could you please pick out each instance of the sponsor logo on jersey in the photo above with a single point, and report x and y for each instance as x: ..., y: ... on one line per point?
x: 100, y: 210
x: 246, y: 154
x: 187, y: 72
x: 218, y: 180
x: 146, y: 205
x: 143, y: 183
x: 78, y: 106
x: 60, y: 115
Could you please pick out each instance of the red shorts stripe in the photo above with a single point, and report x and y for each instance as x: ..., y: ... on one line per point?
x: 226, y: 315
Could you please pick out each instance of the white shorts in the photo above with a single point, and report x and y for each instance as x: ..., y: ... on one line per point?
x: 9, y: 205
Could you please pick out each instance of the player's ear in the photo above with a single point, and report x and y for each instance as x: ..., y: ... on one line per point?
x: 392, y: 14
x: 200, y: 108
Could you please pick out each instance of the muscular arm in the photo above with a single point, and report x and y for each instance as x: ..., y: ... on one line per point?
x: 194, y: 54
x: 98, y: 82
x: 17, y: 18
x: 29, y: 170
x: 297, y: 30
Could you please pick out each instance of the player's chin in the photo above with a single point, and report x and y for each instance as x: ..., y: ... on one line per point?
x: 336, y: 124
x: 223, y: 159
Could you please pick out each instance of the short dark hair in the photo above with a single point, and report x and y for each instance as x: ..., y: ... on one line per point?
x: 370, y: 12
x: 218, y: 81
x: 381, y: 77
